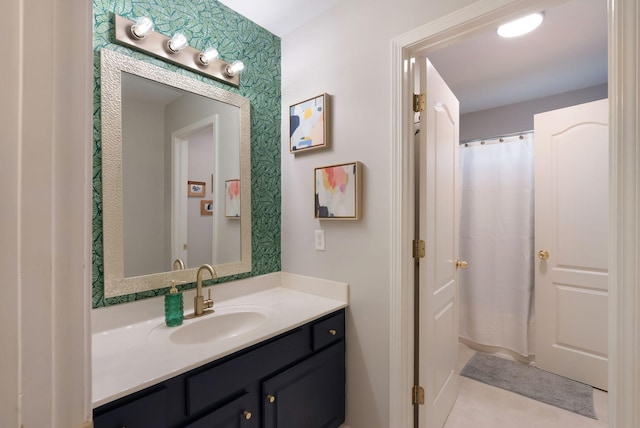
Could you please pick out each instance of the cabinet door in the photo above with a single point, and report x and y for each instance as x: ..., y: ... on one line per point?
x: 144, y: 412
x: 240, y: 413
x: 220, y: 380
x: 310, y: 394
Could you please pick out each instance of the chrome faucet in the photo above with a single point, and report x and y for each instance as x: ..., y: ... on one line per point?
x: 199, y: 302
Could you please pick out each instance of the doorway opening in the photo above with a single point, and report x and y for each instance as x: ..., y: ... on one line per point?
x: 502, y: 85
x: 483, y: 15
x: 194, y: 234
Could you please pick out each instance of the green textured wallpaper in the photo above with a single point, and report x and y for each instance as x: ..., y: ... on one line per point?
x: 206, y: 23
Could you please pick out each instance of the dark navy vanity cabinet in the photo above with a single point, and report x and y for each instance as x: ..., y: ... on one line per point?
x: 294, y: 380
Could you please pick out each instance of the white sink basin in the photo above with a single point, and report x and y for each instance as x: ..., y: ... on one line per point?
x: 224, y: 323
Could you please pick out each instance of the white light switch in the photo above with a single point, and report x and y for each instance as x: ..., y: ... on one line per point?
x: 319, y: 240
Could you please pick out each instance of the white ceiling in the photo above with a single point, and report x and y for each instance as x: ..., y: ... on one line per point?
x: 567, y: 52
x: 280, y: 17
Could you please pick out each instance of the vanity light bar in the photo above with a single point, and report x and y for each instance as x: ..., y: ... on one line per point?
x: 156, y: 44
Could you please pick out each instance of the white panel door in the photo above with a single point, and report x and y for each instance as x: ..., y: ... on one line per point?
x: 438, y: 227
x: 572, y: 205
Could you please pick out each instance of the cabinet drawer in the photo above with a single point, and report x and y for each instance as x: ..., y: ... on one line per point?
x: 328, y: 331
x: 240, y: 413
x: 143, y: 412
x: 229, y: 377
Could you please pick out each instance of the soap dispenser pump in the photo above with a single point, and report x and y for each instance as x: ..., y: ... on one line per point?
x: 173, y: 306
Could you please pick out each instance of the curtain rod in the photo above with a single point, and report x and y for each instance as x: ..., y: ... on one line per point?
x: 513, y: 134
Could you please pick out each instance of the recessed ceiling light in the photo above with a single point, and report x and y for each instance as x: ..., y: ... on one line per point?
x: 521, y: 26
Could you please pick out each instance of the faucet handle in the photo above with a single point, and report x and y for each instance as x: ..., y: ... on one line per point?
x: 172, y: 283
x: 209, y: 302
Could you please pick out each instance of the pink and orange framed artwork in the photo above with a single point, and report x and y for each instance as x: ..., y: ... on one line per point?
x: 338, y: 191
x: 232, y: 198
x: 309, y: 124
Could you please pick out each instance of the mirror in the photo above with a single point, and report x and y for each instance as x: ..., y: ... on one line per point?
x: 176, y: 176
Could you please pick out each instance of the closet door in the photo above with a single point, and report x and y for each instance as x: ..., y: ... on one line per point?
x: 572, y: 222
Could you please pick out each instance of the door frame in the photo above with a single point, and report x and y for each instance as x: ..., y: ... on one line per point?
x: 179, y: 176
x: 624, y: 164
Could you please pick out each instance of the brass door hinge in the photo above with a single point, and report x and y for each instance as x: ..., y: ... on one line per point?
x: 419, y: 102
x: 419, y: 251
x: 417, y: 395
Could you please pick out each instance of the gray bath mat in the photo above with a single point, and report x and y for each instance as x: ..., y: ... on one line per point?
x: 531, y: 382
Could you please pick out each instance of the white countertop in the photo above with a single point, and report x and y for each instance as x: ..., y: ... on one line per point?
x: 127, y: 357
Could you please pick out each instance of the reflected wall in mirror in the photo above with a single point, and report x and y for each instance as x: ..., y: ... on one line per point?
x: 171, y: 137
x: 162, y: 130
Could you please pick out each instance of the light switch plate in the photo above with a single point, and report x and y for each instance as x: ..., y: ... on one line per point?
x: 319, y: 240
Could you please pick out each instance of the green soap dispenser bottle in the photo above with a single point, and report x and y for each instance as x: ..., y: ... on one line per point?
x: 173, y: 306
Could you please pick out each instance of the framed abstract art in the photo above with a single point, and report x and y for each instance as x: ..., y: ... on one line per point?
x: 309, y: 124
x: 206, y: 207
x: 232, y: 198
x: 338, y: 191
x: 196, y: 188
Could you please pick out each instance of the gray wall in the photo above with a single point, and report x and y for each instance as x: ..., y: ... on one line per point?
x: 346, y: 53
x: 142, y: 129
x: 200, y: 227
x: 147, y: 205
x: 519, y: 117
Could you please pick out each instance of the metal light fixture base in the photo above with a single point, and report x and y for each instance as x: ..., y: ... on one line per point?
x: 155, y: 44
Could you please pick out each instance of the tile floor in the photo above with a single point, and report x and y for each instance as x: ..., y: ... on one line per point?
x: 481, y: 405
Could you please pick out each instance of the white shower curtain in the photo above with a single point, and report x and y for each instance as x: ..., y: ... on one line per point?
x: 496, y: 238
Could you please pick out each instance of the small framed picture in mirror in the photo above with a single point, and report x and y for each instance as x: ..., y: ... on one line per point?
x: 206, y: 207
x: 196, y: 188
x: 232, y: 198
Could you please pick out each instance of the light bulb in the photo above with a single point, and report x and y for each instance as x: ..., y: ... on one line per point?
x: 143, y: 26
x: 236, y: 67
x: 208, y: 55
x: 177, y: 43
x: 521, y: 26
